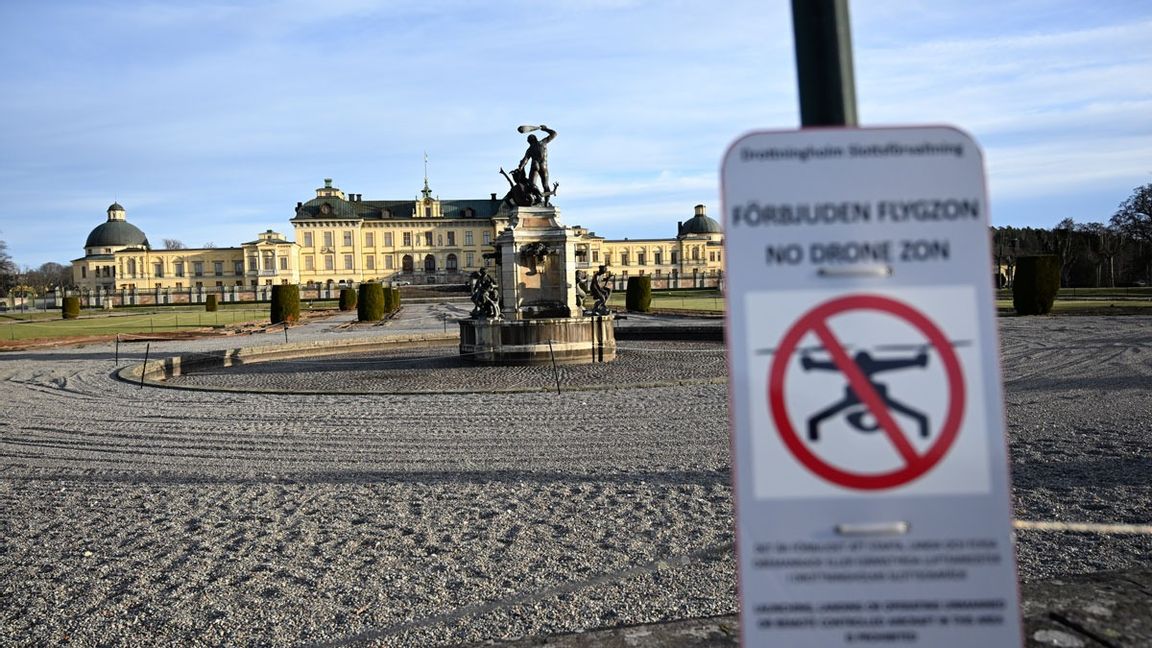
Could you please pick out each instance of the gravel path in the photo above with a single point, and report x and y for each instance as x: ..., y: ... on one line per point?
x: 148, y: 517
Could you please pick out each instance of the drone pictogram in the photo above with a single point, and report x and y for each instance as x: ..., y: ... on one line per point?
x: 858, y: 415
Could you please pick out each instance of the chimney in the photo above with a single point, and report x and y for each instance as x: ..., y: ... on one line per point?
x: 493, y: 196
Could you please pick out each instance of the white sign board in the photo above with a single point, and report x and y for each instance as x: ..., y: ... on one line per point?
x: 870, y: 465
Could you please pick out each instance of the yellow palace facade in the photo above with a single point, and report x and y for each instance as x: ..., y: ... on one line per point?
x: 342, y: 239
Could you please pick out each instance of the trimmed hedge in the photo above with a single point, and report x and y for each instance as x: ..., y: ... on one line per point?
x: 370, y: 305
x: 389, y: 299
x: 347, y: 299
x: 639, y: 296
x: 210, y: 303
x: 1035, y: 284
x: 285, y: 303
x: 70, y: 309
x: 395, y: 299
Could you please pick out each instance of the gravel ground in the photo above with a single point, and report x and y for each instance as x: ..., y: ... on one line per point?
x: 148, y: 517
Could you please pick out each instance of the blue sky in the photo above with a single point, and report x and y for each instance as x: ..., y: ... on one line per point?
x: 208, y: 121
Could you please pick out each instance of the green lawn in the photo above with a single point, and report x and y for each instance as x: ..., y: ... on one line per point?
x: 30, y: 326
x: 702, y: 301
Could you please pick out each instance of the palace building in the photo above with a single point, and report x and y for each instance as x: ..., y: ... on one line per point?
x: 342, y: 239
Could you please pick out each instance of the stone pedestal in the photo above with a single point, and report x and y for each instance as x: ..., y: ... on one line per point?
x: 537, y: 256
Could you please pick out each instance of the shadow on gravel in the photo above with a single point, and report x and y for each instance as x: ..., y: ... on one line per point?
x: 670, y: 478
x: 1114, y: 471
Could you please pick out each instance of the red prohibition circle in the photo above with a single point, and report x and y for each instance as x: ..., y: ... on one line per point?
x: 816, y: 321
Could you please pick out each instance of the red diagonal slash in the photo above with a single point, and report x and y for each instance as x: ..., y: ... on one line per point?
x: 864, y: 390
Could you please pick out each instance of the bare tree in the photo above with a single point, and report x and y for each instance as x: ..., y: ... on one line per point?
x: 1065, y: 245
x: 8, y: 270
x: 209, y: 245
x: 174, y: 244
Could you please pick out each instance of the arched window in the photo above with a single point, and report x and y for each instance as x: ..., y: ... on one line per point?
x: 450, y: 263
x: 429, y: 263
x: 406, y: 263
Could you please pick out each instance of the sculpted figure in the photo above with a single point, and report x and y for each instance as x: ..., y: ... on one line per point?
x: 521, y: 193
x: 582, y: 288
x: 536, y: 158
x: 535, y: 253
x: 601, y: 290
x: 485, y: 295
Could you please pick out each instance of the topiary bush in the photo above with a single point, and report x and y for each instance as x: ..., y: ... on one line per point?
x: 395, y: 299
x: 370, y: 306
x: 285, y: 303
x: 210, y: 303
x: 389, y: 299
x: 1035, y: 284
x: 347, y: 299
x: 638, y: 299
x: 70, y: 309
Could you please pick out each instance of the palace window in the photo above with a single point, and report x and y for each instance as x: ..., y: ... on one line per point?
x: 198, y: 268
x: 658, y: 257
x: 468, y: 238
x: 623, y: 258
x: 217, y: 268
x: 329, y: 262
x: 237, y: 268
x: 407, y: 263
x: 253, y: 263
x: 309, y: 262
x: 370, y: 262
x: 158, y: 270
x: 388, y: 262
x: 487, y: 238
x: 450, y: 263
x: 308, y: 239
x: 347, y: 261
x: 407, y: 239
x: 595, y: 256
x: 388, y: 239
x: 469, y: 259
x: 269, y: 262
x: 328, y: 239
x: 428, y: 239
x: 640, y: 258
x: 179, y: 270
x: 347, y: 239
x: 451, y: 238
x: 283, y: 263
x: 369, y: 239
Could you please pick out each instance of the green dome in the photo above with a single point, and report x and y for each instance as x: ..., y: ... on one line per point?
x: 117, y: 234
x: 701, y: 223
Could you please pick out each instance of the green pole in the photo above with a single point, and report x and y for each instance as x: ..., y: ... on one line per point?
x: 823, y: 40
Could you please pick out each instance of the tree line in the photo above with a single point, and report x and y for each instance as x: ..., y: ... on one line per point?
x: 1091, y: 254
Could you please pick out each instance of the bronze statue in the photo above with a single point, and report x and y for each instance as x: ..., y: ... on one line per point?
x: 582, y: 288
x: 485, y: 295
x: 537, y: 155
x: 521, y: 192
x: 601, y: 285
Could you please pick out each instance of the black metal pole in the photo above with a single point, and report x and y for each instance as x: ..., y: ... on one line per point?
x: 555, y: 371
x: 144, y: 367
x: 823, y: 39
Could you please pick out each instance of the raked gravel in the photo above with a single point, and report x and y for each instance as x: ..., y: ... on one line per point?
x: 156, y: 517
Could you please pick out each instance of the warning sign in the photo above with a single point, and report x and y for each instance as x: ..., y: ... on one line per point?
x: 865, y: 393
x: 870, y: 466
